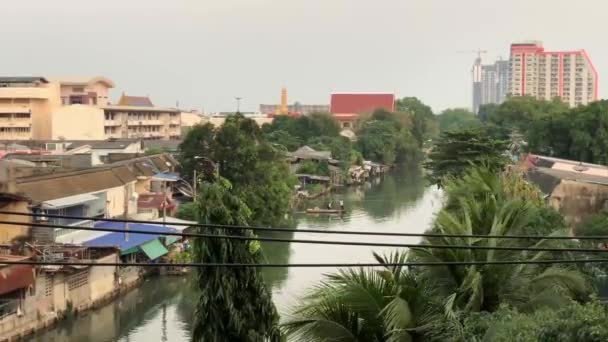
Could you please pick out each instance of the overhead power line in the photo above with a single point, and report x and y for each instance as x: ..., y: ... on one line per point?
x: 318, y: 242
x: 310, y: 265
x: 317, y: 231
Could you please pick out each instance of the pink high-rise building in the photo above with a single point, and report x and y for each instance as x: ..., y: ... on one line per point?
x: 569, y: 75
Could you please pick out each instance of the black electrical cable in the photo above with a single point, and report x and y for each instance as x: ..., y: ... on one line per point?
x: 310, y: 265
x: 320, y: 242
x: 319, y: 231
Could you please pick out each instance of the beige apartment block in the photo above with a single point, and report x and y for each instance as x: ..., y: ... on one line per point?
x: 79, y: 109
x: 569, y: 75
x: 136, y: 117
x: 27, y: 104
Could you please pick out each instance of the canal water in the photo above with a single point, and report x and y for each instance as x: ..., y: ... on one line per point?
x: 162, y: 309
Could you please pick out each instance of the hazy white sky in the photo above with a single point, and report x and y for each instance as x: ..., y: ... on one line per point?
x: 203, y: 53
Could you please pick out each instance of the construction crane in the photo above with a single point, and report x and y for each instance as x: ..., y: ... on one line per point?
x: 478, y: 52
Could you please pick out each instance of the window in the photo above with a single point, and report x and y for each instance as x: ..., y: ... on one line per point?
x: 78, y: 279
x: 75, y: 99
x: 48, y: 285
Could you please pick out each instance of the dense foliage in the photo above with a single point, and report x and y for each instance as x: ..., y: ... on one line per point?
x: 455, y: 151
x: 571, y: 322
x: 381, y: 136
x: 234, y: 303
x: 551, y: 128
x: 385, y: 139
x: 293, y: 132
x: 256, y: 169
x: 186, y: 211
x: 424, y: 123
x: 456, y: 119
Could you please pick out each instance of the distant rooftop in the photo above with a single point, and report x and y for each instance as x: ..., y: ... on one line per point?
x: 26, y: 79
x: 77, y: 81
x: 137, y: 101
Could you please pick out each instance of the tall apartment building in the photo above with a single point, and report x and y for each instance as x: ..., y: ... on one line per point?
x: 490, y: 83
x: 569, y: 75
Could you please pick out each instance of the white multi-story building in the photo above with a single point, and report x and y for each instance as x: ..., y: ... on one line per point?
x: 490, y: 83
x: 569, y: 75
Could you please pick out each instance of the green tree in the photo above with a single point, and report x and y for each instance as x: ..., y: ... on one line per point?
x: 456, y: 151
x: 486, y: 111
x: 256, y: 169
x: 187, y: 211
x: 457, y: 118
x: 424, y: 123
x: 198, y: 143
x: 571, y: 322
x: 313, y: 168
x: 385, y: 138
x: 377, y: 141
x: 234, y: 303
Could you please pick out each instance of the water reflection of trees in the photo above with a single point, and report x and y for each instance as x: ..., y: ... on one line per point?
x: 383, y: 197
x: 117, y: 319
x: 279, y: 253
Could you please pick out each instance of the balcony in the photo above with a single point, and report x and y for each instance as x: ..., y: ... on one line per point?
x: 116, y: 135
x: 112, y: 123
x: 15, y: 135
x: 24, y: 123
x: 25, y: 93
x: 146, y: 122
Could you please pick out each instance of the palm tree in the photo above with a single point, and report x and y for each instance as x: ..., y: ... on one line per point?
x: 485, y: 203
x: 365, y: 305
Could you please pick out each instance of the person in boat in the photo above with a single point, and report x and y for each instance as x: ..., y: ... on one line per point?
x: 341, y: 205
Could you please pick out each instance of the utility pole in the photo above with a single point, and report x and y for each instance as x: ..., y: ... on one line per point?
x: 238, y: 104
x: 194, y: 181
x: 126, y: 211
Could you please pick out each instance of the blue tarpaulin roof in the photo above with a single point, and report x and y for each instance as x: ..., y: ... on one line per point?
x: 118, y: 238
x: 166, y: 176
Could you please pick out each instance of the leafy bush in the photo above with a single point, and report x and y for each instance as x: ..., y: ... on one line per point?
x: 574, y: 322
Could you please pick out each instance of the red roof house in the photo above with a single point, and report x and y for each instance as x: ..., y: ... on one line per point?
x: 356, y: 103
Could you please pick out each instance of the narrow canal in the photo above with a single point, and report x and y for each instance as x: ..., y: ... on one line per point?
x: 162, y: 309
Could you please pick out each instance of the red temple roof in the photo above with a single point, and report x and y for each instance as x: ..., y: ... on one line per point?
x: 361, y: 102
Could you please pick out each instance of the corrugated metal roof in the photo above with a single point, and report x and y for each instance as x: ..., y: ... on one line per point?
x: 15, y: 277
x: 68, y: 201
x: 154, y: 249
x: 361, y: 102
x: 153, y: 201
x: 118, y: 239
x: 166, y: 177
x: 63, y: 184
x: 25, y: 79
x: 169, y: 220
x: 306, y: 152
x: 567, y: 175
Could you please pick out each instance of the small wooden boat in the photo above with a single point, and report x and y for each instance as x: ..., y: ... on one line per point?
x: 324, y: 211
